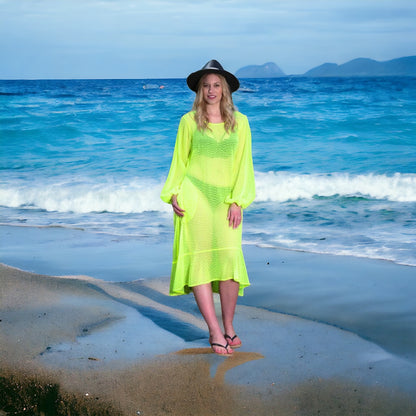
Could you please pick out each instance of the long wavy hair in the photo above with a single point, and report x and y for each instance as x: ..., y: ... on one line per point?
x: 227, y: 107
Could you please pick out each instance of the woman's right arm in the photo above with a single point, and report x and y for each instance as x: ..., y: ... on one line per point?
x: 179, y: 163
x: 176, y: 208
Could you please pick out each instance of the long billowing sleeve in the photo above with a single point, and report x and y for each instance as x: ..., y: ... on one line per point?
x: 179, y: 160
x: 243, y: 191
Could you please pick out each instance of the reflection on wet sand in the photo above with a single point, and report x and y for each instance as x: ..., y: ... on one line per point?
x: 238, y: 358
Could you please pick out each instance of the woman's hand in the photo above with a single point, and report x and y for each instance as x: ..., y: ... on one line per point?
x: 176, y: 208
x: 234, y: 215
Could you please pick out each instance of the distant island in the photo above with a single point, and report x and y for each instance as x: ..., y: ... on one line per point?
x: 268, y: 70
x: 360, y: 67
x: 364, y: 67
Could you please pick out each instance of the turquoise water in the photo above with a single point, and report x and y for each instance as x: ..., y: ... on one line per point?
x: 335, y: 160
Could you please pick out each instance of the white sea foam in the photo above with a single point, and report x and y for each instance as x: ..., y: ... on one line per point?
x: 142, y: 195
x: 283, y: 186
x: 131, y: 197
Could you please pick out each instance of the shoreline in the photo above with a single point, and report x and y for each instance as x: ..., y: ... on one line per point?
x: 24, y: 228
x: 369, y: 297
x: 99, y: 338
x: 322, y: 253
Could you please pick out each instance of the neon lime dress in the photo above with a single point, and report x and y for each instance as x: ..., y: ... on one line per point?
x: 210, y: 170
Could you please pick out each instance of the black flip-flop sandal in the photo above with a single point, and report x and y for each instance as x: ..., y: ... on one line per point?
x: 222, y: 346
x: 232, y: 339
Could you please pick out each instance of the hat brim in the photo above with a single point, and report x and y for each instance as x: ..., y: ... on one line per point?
x: 194, y: 78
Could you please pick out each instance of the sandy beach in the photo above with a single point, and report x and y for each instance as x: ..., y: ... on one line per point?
x: 129, y: 347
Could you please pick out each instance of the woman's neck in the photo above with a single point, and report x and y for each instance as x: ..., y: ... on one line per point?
x: 214, y: 114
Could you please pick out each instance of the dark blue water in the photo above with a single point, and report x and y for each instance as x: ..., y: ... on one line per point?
x: 335, y: 160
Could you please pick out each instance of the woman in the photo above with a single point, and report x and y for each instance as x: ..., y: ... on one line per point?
x: 211, y: 179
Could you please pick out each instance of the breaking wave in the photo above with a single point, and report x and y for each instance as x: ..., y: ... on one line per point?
x: 142, y: 195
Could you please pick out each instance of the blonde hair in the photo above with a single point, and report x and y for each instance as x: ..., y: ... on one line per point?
x: 227, y: 107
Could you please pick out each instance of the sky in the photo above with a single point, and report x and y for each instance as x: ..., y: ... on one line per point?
x: 49, y: 39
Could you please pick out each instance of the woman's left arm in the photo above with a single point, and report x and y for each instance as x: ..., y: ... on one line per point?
x: 243, y: 191
x: 234, y: 215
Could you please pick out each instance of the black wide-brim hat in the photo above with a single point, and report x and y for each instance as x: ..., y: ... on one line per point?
x: 212, y: 67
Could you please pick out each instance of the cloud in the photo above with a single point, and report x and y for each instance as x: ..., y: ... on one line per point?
x: 127, y: 38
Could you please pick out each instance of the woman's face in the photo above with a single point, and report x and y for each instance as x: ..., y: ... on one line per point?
x: 212, y: 89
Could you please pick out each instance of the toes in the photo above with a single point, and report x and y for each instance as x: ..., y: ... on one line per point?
x: 221, y: 349
x: 234, y: 341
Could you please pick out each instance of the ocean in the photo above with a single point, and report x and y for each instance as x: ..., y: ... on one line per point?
x: 335, y: 160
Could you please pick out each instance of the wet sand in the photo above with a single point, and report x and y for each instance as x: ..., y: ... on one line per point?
x: 131, y: 346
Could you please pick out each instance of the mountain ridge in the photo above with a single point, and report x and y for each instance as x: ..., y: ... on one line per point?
x: 358, y: 67
x: 267, y: 70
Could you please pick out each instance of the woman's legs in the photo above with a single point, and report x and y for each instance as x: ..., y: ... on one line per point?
x: 204, y: 299
x: 228, y: 296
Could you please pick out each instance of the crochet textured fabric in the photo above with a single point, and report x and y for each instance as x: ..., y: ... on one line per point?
x: 210, y: 170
